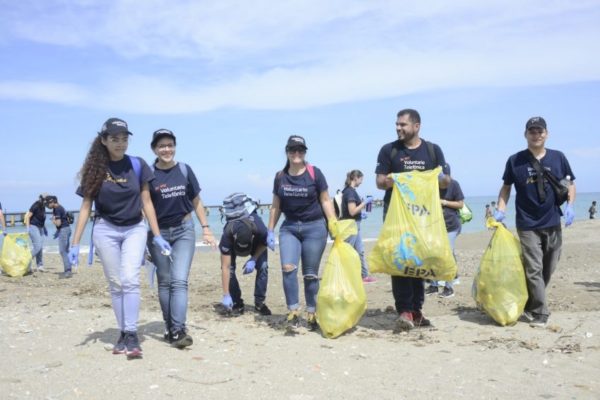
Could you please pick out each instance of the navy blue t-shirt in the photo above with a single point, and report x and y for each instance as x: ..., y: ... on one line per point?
x: 119, y: 200
x: 452, y: 193
x: 38, y: 214
x: 349, y: 195
x: 60, y: 213
x: 260, y: 236
x: 531, y: 213
x: 172, y: 194
x: 299, y: 195
x: 406, y: 160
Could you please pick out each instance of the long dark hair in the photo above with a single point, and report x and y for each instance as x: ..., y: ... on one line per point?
x: 350, y: 176
x: 93, y: 171
x: 286, y: 169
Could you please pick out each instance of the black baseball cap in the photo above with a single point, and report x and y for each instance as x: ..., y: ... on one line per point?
x: 295, y: 141
x: 242, y: 238
x: 162, y: 133
x: 113, y: 126
x: 535, y: 122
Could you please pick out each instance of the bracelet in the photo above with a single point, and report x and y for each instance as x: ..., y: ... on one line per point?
x: 205, y: 226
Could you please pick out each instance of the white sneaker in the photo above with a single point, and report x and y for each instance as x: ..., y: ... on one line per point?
x: 40, y: 268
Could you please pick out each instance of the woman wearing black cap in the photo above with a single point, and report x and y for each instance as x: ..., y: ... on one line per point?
x: 35, y: 220
x: 300, y: 192
x: 175, y: 193
x: 117, y: 184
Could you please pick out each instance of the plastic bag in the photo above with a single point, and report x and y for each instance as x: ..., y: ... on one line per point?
x: 499, y: 286
x: 465, y: 214
x: 16, y: 255
x: 413, y: 241
x: 342, y: 300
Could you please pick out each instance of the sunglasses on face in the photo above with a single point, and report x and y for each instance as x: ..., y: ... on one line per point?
x: 297, y: 150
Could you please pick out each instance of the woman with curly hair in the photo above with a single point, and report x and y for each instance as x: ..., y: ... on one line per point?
x: 117, y: 184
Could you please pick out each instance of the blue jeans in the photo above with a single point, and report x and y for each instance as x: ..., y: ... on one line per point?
x: 121, y: 249
x: 36, y: 234
x: 302, y: 241
x: 452, y: 238
x: 260, y: 282
x: 172, y: 273
x: 356, y: 242
x: 64, y: 235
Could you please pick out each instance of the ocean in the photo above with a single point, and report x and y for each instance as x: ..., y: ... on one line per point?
x: 369, y: 227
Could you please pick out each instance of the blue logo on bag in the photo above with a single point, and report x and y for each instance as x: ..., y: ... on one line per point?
x: 405, y: 254
x: 406, y: 192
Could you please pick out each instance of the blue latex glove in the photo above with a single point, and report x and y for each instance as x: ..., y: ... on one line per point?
x: 249, y: 266
x: 227, y: 302
x: 165, y: 247
x: 569, y: 214
x: 271, y: 240
x: 74, y: 255
x: 363, y: 214
x: 55, y: 236
x: 499, y: 215
x: 441, y: 175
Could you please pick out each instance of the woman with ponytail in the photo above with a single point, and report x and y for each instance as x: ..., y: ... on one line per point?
x: 117, y: 184
x: 354, y: 208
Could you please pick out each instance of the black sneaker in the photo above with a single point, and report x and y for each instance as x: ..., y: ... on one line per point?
x: 311, y: 322
x: 119, y: 348
x: 167, y: 336
x: 238, y: 308
x: 181, y: 340
x: 431, y: 290
x: 66, y: 275
x: 132, y: 345
x: 447, y: 292
x: 262, y: 309
x: 539, y: 321
x: 292, y: 322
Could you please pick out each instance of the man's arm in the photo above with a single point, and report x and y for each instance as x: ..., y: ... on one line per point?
x: 503, y: 197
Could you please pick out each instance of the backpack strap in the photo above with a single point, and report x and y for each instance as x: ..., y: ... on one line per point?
x: 184, y: 169
x: 311, y: 171
x: 431, y: 151
x: 137, y: 167
x: 540, y: 176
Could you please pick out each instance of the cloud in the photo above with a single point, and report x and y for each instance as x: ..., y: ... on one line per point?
x: 193, y: 57
x: 587, y: 152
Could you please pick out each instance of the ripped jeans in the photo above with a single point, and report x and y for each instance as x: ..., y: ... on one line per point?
x: 302, y: 241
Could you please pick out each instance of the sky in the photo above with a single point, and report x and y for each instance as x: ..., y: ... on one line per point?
x: 233, y: 79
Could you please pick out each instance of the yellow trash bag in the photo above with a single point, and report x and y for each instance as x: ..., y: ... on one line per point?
x: 342, y: 300
x: 413, y: 241
x: 15, y: 254
x: 499, y: 286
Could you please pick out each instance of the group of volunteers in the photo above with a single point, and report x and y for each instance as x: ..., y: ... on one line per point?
x: 125, y: 190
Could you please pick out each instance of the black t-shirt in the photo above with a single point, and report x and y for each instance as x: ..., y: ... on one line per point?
x: 299, y: 195
x: 452, y: 193
x: 119, y: 200
x: 406, y: 160
x: 38, y: 214
x: 260, y: 236
x: 60, y: 213
x: 349, y: 195
x: 531, y: 213
x: 172, y: 194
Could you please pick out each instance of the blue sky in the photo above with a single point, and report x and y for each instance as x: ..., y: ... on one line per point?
x: 234, y: 79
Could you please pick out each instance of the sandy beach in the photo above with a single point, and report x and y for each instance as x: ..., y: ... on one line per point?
x: 56, y: 335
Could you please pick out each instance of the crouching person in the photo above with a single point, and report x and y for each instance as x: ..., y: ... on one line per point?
x: 246, y: 236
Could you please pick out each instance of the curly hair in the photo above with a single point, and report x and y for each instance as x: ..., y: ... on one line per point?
x: 93, y: 171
